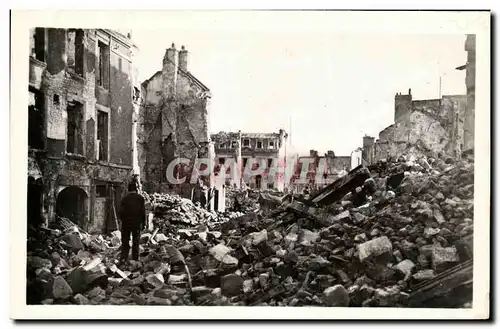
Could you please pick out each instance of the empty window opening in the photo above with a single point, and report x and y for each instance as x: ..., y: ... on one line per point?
x: 55, y: 99
x: 102, y: 135
x: 75, y: 51
x: 271, y: 144
x: 136, y: 94
x: 39, y: 44
x: 74, y: 138
x: 101, y: 191
x: 269, y: 162
x: 222, y: 161
x: 103, y: 71
x: 259, y: 144
x: 246, y: 142
x: 234, y: 144
x: 258, y: 181
x: 222, y: 145
x: 36, y: 120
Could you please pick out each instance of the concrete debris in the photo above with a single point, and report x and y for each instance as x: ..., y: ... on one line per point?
x: 364, y: 240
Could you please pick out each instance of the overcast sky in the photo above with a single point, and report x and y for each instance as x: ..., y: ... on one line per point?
x: 333, y: 88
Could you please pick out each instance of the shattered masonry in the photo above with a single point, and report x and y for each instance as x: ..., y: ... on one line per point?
x: 436, y: 127
x: 172, y: 123
x: 470, y: 82
x: 399, y: 233
x: 321, y: 171
x: 433, y: 126
x: 372, y: 238
x: 82, y: 99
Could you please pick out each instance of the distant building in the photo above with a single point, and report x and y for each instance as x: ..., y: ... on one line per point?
x: 83, y: 95
x: 321, y: 170
x: 263, y: 149
x: 356, y: 157
x: 430, y: 127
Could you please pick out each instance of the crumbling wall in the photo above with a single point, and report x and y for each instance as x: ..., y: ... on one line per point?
x: 62, y: 87
x: 149, y: 135
x: 470, y: 83
x: 192, y: 113
x: 433, y: 127
x: 172, y: 123
x: 59, y: 174
x: 421, y: 130
x: 338, y: 163
x: 121, y: 105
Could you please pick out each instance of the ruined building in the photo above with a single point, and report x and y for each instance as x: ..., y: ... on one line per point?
x: 433, y: 127
x: 82, y: 98
x: 266, y: 149
x: 321, y: 170
x: 437, y: 127
x: 470, y: 83
x: 172, y: 124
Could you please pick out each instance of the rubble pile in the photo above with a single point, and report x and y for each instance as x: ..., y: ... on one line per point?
x: 241, y: 199
x: 395, y: 228
x: 173, y: 209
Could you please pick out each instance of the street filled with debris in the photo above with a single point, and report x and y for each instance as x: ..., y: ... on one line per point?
x: 397, y: 233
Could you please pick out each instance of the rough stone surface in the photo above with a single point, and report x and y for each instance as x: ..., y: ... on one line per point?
x: 231, y: 285
x: 336, y: 296
x: 61, y: 289
x: 374, y: 248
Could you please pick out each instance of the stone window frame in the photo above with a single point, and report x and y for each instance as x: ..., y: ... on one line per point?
x: 32, y: 104
x: 106, y: 40
x: 44, y: 43
x: 99, y: 107
x: 77, y: 69
x: 261, y: 144
x: 82, y: 126
x: 246, y: 142
x: 271, y: 142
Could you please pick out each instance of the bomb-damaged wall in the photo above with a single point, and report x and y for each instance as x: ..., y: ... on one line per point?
x: 63, y: 85
x: 59, y: 174
x: 121, y: 104
x: 149, y: 134
x: 433, y: 127
x: 61, y: 88
x: 172, y: 124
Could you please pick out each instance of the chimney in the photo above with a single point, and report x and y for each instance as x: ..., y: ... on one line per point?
x: 169, y: 57
x: 409, y: 91
x: 183, y: 58
x: 169, y: 72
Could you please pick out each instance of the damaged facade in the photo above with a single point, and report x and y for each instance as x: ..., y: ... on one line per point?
x: 436, y: 127
x: 433, y: 126
x: 81, y: 105
x: 321, y: 171
x: 172, y: 124
x: 470, y: 83
x: 267, y: 149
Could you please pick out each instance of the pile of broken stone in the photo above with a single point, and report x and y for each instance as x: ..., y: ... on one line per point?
x: 403, y: 226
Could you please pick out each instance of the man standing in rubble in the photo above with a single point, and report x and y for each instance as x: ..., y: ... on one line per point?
x: 133, y: 219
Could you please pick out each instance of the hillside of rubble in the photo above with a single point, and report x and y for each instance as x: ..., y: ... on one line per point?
x: 393, y: 234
